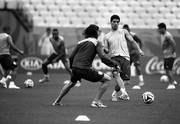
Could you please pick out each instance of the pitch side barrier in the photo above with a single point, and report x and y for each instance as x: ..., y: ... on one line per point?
x: 150, y: 65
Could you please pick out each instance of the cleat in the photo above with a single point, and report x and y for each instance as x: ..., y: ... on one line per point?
x: 171, y: 87
x: 4, y: 85
x: 114, y: 99
x: 124, y: 97
x: 57, y: 104
x: 114, y: 96
x: 136, y: 87
x: 44, y: 79
x: 13, y: 86
x: 78, y: 84
x: 175, y: 82
x: 141, y: 83
x: 98, y: 104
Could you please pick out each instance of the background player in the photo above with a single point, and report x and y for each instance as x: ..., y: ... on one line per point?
x: 6, y: 61
x: 168, y: 48
x: 116, y: 45
x: 81, y: 62
x: 135, y: 57
x: 59, y: 53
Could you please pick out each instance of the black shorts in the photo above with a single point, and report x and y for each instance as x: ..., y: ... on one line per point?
x: 168, y: 63
x: 87, y: 74
x: 135, y: 58
x: 55, y: 58
x: 7, y: 62
x: 125, y: 67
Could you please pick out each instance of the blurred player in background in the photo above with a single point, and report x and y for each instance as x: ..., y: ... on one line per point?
x: 81, y: 63
x: 59, y: 53
x: 116, y: 46
x: 8, y: 64
x: 45, y: 44
x: 168, y: 48
x: 135, y: 57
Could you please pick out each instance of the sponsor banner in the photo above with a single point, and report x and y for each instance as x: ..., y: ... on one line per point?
x: 34, y: 64
x: 149, y: 65
x: 155, y: 65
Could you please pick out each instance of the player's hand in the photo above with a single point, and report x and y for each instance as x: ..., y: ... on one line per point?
x: 141, y: 53
x: 21, y: 52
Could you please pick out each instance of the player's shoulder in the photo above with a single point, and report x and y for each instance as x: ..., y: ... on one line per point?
x: 132, y: 33
x: 61, y: 38
x: 168, y: 34
x: 89, y: 40
x: 4, y: 34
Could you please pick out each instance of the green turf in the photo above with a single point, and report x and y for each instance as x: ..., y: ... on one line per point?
x: 33, y: 105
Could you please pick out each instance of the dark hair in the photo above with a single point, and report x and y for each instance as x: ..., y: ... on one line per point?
x: 55, y: 29
x: 114, y: 17
x: 91, y: 31
x: 48, y: 29
x: 6, y: 29
x: 126, y: 26
x: 161, y: 25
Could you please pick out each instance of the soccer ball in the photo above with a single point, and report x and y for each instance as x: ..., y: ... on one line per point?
x: 148, y: 97
x: 164, y: 78
x: 29, y: 83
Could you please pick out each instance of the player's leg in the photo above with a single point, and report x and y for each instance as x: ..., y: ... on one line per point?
x: 8, y: 66
x: 46, y: 62
x: 138, y: 72
x: 96, y: 76
x: 120, y: 78
x: 66, y: 65
x: 168, y: 65
x: 66, y: 88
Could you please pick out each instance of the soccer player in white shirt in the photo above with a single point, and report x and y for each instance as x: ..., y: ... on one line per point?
x: 116, y: 46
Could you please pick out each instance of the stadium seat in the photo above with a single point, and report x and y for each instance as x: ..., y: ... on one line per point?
x: 146, y: 4
x: 35, y: 2
x: 76, y: 22
x: 175, y: 23
x: 12, y: 4
x: 2, y: 4
x: 63, y: 22
x: 151, y: 23
x: 158, y: 4
x: 170, y: 4
x: 164, y: 10
x: 40, y: 7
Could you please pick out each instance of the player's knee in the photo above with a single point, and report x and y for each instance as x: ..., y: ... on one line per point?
x: 107, y: 77
x: 137, y: 63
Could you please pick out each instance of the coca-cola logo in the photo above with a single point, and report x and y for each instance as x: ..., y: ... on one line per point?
x: 154, y: 66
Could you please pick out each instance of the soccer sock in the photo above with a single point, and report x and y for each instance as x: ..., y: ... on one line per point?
x: 141, y: 79
x: 123, y: 90
x: 3, y: 79
x: 114, y: 94
x: 117, y: 88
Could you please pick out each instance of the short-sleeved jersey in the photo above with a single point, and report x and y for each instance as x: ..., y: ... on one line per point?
x: 58, y: 45
x: 115, y: 42
x: 168, y: 45
x: 133, y: 50
x: 86, y: 52
x: 4, y: 45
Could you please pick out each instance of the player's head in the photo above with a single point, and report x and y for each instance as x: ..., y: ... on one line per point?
x: 126, y: 26
x: 55, y: 33
x: 6, y: 30
x: 161, y: 28
x: 48, y: 30
x: 114, y: 20
x: 91, y: 31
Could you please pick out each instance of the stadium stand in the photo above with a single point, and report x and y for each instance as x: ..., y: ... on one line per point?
x: 65, y: 13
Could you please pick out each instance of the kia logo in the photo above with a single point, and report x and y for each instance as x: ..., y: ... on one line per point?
x: 31, y: 63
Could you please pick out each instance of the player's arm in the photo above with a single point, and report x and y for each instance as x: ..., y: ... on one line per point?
x: 133, y: 42
x: 104, y: 58
x: 138, y: 40
x: 71, y: 57
x: 173, y: 43
x: 13, y: 46
x: 106, y: 45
